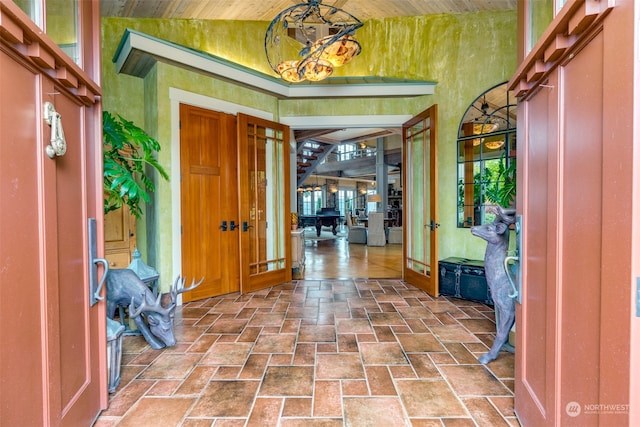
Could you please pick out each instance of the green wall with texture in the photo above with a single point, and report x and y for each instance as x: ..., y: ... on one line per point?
x: 465, y: 54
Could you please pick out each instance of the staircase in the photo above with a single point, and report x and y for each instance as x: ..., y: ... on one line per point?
x: 310, y: 153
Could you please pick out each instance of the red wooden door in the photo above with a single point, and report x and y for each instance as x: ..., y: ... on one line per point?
x: 53, y: 357
x: 573, y: 347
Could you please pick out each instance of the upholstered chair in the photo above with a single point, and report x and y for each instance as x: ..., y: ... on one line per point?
x: 376, y: 235
x: 357, y: 233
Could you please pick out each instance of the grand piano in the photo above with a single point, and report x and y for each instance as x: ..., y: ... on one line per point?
x: 329, y: 217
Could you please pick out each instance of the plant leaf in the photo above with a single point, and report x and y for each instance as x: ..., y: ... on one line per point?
x: 127, y: 149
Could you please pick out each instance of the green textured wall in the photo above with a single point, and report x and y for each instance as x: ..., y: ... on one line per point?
x: 465, y: 54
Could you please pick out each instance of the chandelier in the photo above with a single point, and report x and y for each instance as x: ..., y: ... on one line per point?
x: 482, y: 128
x: 308, y: 40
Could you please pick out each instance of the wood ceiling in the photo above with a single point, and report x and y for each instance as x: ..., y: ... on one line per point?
x: 266, y: 10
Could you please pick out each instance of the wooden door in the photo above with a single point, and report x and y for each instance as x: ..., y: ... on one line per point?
x: 263, y: 164
x: 209, y: 201
x: 420, y: 201
x: 573, y: 341
x: 53, y: 341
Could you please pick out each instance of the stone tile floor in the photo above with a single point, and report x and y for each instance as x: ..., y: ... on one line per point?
x: 319, y: 353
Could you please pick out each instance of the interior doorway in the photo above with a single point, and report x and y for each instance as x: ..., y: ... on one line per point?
x: 354, y: 171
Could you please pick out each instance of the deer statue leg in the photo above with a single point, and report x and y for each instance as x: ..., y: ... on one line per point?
x: 111, y: 309
x: 505, y: 311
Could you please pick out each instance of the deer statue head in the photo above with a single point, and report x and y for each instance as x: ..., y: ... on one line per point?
x: 159, y: 318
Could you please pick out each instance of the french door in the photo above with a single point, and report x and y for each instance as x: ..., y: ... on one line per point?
x: 420, y: 201
x: 265, y: 239
x: 234, y: 202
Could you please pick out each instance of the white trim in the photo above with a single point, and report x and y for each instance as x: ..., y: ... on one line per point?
x: 204, y: 101
x: 174, y: 179
x: 328, y: 122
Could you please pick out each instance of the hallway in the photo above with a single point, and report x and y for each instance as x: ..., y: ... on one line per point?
x: 353, y: 352
x: 337, y: 258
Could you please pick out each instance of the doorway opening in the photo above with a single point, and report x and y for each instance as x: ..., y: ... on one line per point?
x: 350, y: 173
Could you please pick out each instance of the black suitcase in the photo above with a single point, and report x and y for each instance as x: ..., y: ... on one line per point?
x: 465, y: 279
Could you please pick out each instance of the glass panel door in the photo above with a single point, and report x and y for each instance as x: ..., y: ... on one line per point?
x: 420, y: 200
x: 264, y: 200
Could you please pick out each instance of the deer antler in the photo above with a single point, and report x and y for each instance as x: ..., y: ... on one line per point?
x: 178, y: 287
x: 156, y: 307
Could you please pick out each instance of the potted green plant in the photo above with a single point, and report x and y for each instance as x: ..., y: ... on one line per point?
x: 129, y: 160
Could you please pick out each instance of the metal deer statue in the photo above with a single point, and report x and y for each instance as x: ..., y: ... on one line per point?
x: 155, y: 322
x: 502, y: 291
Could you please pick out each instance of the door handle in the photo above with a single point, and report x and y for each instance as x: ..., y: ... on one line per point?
x: 246, y: 226
x: 223, y: 226
x: 507, y: 260
x: 433, y: 225
x: 232, y: 225
x: 94, y: 287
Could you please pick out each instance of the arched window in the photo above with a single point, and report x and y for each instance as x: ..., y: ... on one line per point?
x: 487, y: 156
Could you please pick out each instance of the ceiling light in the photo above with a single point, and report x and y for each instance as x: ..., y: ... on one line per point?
x: 494, y: 145
x: 482, y: 128
x: 308, y: 40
